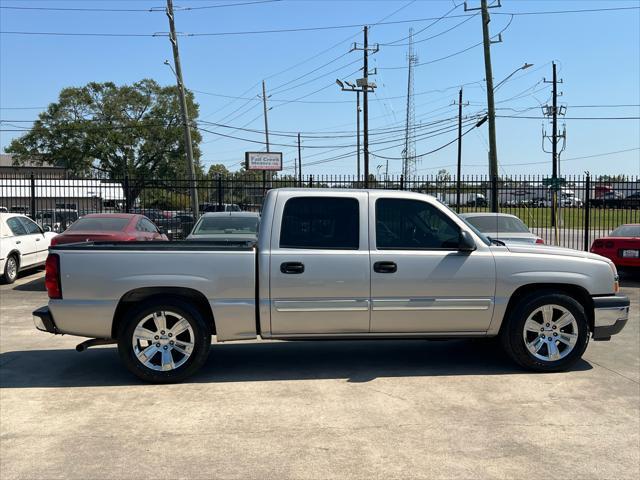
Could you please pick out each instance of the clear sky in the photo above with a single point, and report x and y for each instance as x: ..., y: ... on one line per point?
x: 598, y: 57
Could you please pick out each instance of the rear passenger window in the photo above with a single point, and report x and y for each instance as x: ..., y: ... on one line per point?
x: 29, y: 225
x: 16, y: 226
x: 320, y: 222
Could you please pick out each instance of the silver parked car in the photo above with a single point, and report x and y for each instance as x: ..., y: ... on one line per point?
x: 502, y: 226
x: 227, y: 226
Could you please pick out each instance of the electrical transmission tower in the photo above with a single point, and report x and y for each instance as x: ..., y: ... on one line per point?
x: 409, y: 152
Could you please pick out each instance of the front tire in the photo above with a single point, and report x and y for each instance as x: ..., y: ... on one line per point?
x: 164, y: 341
x: 11, y: 269
x: 546, y: 332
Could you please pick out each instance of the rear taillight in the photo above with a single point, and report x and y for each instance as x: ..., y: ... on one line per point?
x: 539, y: 241
x: 52, y: 276
x: 598, y: 244
x: 54, y: 241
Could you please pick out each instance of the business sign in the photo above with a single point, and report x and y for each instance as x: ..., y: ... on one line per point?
x: 263, y: 160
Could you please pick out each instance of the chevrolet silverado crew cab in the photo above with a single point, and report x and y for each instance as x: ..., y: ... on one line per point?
x: 332, y: 264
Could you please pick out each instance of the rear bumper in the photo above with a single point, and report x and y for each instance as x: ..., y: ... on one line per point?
x: 43, y: 320
x: 610, y: 316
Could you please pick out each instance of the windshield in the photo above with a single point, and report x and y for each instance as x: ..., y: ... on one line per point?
x: 498, y: 224
x: 228, y: 225
x: 104, y: 224
x: 626, y: 231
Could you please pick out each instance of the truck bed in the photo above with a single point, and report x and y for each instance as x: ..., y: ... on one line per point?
x: 97, y: 276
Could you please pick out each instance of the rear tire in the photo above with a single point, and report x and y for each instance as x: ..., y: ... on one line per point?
x: 11, y: 269
x: 546, y: 332
x: 164, y: 340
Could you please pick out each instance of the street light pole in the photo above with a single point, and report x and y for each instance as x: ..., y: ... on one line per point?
x: 491, y: 112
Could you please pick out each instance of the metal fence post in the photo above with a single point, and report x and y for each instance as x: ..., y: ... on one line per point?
x: 33, y: 196
x: 587, y: 213
x: 401, y: 182
x: 220, y: 192
x: 310, y: 181
x: 127, y: 203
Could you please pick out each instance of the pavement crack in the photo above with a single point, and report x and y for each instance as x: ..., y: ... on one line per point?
x: 613, y: 371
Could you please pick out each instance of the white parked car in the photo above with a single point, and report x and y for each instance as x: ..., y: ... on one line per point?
x: 501, y: 226
x: 23, y: 245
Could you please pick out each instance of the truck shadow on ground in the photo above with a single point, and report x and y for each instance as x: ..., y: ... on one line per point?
x: 355, y: 361
x: 35, y: 285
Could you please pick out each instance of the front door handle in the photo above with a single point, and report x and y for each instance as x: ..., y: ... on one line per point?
x: 18, y: 242
x: 385, y: 267
x: 38, y: 239
x: 292, y: 267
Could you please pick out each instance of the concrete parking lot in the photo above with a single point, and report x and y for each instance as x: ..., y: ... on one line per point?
x: 314, y: 410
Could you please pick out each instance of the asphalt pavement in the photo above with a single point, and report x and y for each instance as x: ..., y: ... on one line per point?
x: 314, y: 410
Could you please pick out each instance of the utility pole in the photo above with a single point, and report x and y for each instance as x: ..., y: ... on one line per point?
x: 183, y: 107
x: 299, y: 161
x: 365, y: 97
x: 358, y: 109
x: 459, y: 172
x: 491, y: 113
x: 362, y: 85
x: 553, y: 112
x: 266, y: 132
x: 365, y: 87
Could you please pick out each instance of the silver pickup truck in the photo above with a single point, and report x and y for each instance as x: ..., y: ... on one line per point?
x: 332, y: 264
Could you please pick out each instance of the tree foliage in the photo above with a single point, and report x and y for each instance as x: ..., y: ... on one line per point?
x: 130, y: 129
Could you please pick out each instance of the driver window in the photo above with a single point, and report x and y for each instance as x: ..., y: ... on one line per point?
x: 404, y: 224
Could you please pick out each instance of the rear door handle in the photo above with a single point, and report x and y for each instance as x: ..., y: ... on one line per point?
x: 18, y: 242
x: 292, y: 267
x: 38, y: 239
x: 385, y: 267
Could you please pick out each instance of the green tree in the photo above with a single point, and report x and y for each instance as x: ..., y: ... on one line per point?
x: 217, y: 169
x: 130, y: 129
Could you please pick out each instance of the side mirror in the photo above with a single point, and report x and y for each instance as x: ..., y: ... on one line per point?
x: 467, y: 244
x: 47, y: 228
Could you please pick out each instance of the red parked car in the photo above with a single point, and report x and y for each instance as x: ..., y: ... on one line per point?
x: 110, y: 227
x: 622, y: 246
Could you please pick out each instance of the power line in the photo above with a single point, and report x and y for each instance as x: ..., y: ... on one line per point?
x: 393, y: 43
x: 570, y: 118
x: 544, y: 162
x: 306, y: 29
x: 459, y: 52
x: 146, y: 10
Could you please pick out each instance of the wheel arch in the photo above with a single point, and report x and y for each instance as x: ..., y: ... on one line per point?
x: 578, y: 293
x: 130, y: 299
x: 15, y: 253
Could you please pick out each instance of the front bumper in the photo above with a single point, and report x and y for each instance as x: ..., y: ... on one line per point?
x: 610, y: 316
x: 43, y: 320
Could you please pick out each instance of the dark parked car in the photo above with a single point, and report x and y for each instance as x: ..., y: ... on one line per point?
x: 166, y: 222
x: 632, y: 201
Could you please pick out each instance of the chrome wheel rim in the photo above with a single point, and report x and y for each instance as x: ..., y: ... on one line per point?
x: 550, y: 333
x: 12, y: 268
x: 163, y: 341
